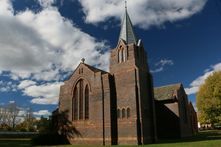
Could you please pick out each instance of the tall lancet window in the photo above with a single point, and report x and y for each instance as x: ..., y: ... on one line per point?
x: 81, y: 99
x: 120, y: 56
x: 124, y: 55
x: 75, y: 104
x: 128, y: 112
x: 86, y: 95
x: 123, y: 113
x: 80, y: 107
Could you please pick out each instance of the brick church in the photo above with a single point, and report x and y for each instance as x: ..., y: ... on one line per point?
x: 118, y: 107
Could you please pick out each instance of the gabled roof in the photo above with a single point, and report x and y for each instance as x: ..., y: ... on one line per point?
x: 167, y: 92
x: 94, y: 69
x: 127, y: 33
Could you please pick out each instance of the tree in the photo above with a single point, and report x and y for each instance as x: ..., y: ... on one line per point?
x: 209, y: 100
x: 44, y: 125
x: 62, y: 125
x: 56, y: 129
x: 12, y: 114
x: 29, y: 122
x: 3, y: 115
x: 9, y: 115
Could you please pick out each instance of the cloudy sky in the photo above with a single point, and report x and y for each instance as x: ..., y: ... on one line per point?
x: 42, y: 42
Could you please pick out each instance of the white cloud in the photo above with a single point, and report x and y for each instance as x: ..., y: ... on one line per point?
x: 42, y: 113
x: 157, y: 70
x: 22, y: 113
x: 164, y: 62
x: 144, y: 13
x: 26, y: 83
x: 192, y: 90
x: 195, y: 84
x: 44, y: 94
x: 46, y: 3
x: 161, y: 64
x: 11, y: 102
x: 40, y: 45
x: 6, y: 8
x: 6, y: 86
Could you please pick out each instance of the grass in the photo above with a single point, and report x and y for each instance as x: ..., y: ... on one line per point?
x: 15, y: 142
x: 211, y: 138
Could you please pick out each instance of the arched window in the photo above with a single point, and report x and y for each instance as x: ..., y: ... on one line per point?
x: 118, y: 113
x: 124, y: 55
x: 80, y: 107
x: 81, y: 99
x: 86, y: 95
x: 123, y: 113
x: 128, y: 112
x: 75, y: 104
x: 120, y: 56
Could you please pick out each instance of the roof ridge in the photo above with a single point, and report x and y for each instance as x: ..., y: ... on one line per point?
x: 175, y: 84
x: 94, y: 68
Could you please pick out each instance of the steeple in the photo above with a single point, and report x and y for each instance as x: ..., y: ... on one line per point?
x: 127, y: 33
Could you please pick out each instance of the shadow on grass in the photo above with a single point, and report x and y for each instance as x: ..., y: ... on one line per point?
x: 201, y: 136
x: 15, y: 142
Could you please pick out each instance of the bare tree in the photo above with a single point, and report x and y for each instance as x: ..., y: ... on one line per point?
x: 12, y: 114
x: 29, y: 119
x: 1, y: 114
x: 9, y: 114
x: 4, y: 115
x: 10, y: 117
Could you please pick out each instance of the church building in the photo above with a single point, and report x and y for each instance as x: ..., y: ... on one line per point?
x: 115, y: 107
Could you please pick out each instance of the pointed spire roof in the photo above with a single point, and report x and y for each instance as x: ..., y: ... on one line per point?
x: 127, y: 32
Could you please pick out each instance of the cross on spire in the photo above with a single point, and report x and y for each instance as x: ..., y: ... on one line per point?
x: 125, y: 5
x: 82, y: 60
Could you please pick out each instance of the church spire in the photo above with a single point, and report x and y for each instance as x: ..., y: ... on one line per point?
x: 127, y: 33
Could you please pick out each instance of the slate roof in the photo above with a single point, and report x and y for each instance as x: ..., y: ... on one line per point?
x: 127, y: 33
x: 166, y: 92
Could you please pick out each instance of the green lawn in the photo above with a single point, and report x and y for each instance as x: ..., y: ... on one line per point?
x: 211, y: 138
x: 202, y: 139
x: 15, y: 142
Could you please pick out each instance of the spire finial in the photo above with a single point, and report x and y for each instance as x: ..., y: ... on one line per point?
x: 125, y: 4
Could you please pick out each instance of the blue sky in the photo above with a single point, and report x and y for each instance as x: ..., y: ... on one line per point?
x: 42, y: 41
